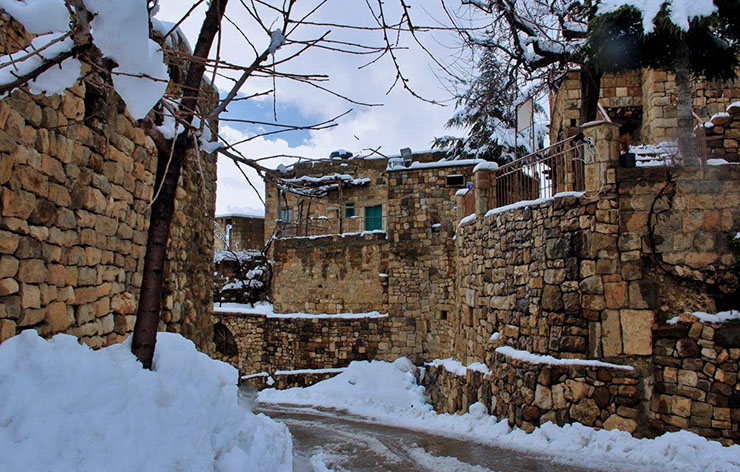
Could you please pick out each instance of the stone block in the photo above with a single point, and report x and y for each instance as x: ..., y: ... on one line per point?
x: 611, y: 333
x: 637, y: 328
x: 7, y: 329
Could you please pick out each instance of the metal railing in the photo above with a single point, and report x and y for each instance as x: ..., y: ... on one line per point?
x: 542, y: 174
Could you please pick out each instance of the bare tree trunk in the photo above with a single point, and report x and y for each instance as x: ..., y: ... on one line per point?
x: 685, y: 130
x: 590, y: 89
x: 152, y: 283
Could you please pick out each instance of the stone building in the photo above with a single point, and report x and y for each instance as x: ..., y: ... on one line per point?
x: 76, y: 178
x: 642, y: 102
x: 239, y: 231
x: 341, y: 194
x: 573, y: 307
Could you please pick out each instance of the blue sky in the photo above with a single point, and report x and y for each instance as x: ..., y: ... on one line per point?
x: 401, y: 121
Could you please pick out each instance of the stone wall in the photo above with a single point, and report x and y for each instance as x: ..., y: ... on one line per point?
x: 650, y: 92
x: 518, y: 274
x: 245, y: 232
x: 331, y: 274
x: 723, y: 134
x: 591, y: 278
x: 421, y: 266
x: 696, y: 379
x: 76, y: 178
x: 288, y: 343
x: 529, y: 395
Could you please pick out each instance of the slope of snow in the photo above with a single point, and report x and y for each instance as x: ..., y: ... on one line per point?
x: 387, y: 393
x: 39, y: 16
x: 527, y: 356
x: 66, y: 407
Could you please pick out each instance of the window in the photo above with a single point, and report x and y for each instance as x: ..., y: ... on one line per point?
x: 349, y: 209
x: 286, y: 215
x: 373, y: 218
x: 455, y: 180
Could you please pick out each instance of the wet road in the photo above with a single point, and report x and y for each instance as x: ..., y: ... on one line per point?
x: 326, y: 440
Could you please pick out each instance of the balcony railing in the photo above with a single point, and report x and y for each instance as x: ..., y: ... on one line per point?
x: 555, y: 169
x: 318, y: 226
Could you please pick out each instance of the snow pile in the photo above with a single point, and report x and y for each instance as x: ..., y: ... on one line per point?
x: 487, y: 165
x: 721, y: 317
x: 467, y: 220
x: 369, y: 388
x: 119, y: 29
x: 386, y: 393
x: 66, y: 407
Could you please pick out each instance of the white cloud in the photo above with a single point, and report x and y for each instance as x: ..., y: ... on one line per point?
x: 402, y: 121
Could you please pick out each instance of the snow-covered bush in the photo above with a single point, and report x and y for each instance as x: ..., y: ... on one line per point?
x: 241, y: 277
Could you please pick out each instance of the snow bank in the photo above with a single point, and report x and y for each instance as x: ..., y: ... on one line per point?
x: 67, y: 407
x: 387, y: 393
x: 374, y: 389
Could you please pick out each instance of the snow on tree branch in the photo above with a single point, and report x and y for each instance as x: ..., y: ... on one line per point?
x: 681, y: 12
x: 120, y: 30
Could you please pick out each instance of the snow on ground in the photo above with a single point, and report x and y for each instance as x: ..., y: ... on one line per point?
x: 66, y: 407
x: 387, y: 393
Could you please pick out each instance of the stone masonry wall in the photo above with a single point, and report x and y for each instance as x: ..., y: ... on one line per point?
x: 723, y: 134
x: 421, y: 267
x: 76, y: 178
x: 518, y: 274
x: 651, y: 90
x: 696, y: 379
x: 331, y: 274
x: 529, y: 395
x: 270, y: 344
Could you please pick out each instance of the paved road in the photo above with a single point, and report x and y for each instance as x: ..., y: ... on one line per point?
x: 325, y: 440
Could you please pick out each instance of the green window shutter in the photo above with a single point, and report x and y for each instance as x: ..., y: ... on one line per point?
x: 373, y: 218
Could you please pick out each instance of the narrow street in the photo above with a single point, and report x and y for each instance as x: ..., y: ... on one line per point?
x: 325, y: 440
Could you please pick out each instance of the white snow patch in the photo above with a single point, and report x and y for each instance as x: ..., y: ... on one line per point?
x: 486, y: 165
x: 433, y: 165
x: 527, y: 356
x: 387, y: 393
x: 456, y: 367
x: 54, y: 80
x: 357, y: 233
x: 336, y: 370
x: 121, y: 31
x: 93, y: 410
x: 495, y: 336
x: 277, y: 39
x: 462, y: 192
x: 266, y: 309
x: 445, y: 463
x: 527, y: 203
x: 468, y: 219
x: 721, y: 317
x: 681, y: 11
x: 39, y: 16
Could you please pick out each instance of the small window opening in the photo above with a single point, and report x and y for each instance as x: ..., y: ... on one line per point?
x: 349, y: 209
x: 444, y: 314
x: 455, y: 180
